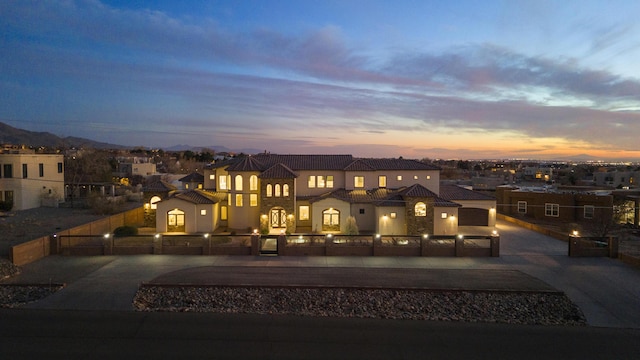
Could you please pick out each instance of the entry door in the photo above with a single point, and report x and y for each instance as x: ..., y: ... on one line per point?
x: 278, y: 218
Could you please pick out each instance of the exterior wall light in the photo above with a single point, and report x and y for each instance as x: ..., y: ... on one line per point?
x: 425, y: 236
x: 206, y: 236
x: 460, y: 236
x: 377, y: 236
x: 494, y: 233
x: 255, y: 231
x: 574, y: 233
x: 106, y: 236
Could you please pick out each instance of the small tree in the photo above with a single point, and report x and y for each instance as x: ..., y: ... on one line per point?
x: 352, y: 227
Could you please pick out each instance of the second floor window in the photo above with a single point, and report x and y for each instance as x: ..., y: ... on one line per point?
x: 358, y: 181
x: 222, y: 184
x: 7, y: 170
x: 382, y: 181
x: 238, y: 182
x: 522, y: 207
x: 24, y: 171
x: 41, y: 170
x: 589, y: 211
x: 552, y: 210
x: 253, y: 183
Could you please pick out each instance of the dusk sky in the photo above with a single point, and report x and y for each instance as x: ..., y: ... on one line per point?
x: 439, y: 79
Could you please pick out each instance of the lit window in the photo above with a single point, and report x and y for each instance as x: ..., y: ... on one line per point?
x: 399, y: 177
x: 551, y: 210
x: 358, y: 181
x: 330, y: 181
x: 212, y: 176
x: 320, y: 181
x: 222, y: 184
x: 382, y: 181
x: 186, y: 186
x: 199, y: 186
x: 269, y: 190
x: 253, y: 183
x: 203, y: 212
x: 223, y: 213
x: 312, y: 181
x: 285, y: 190
x: 277, y: 190
x: 589, y: 211
x: 238, y: 200
x: 522, y: 207
x: 253, y: 199
x: 421, y: 209
x: 238, y: 182
x: 303, y: 212
x: 428, y: 177
x: 393, y: 215
x: 331, y: 220
x: 153, y: 202
x: 443, y: 215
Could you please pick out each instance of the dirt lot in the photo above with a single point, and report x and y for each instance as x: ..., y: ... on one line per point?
x: 17, y: 227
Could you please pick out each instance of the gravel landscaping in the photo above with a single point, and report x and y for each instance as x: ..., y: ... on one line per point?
x: 539, y: 308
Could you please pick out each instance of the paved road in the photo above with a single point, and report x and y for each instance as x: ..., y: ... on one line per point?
x: 607, y: 291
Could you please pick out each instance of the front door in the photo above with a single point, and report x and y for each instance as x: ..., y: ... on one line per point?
x: 278, y: 219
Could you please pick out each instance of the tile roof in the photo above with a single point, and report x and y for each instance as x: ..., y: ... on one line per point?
x: 159, y: 186
x: 264, y: 161
x: 455, y: 192
x: 199, y: 196
x: 385, y: 197
x: 193, y: 177
x: 278, y: 171
x: 248, y: 163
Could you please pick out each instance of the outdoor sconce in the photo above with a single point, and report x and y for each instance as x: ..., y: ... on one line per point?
x: 460, y: 237
x: 255, y: 231
x: 106, y: 236
x: 425, y: 236
x: 574, y: 233
x: 157, y: 236
x: 494, y: 233
x: 329, y: 236
x: 206, y: 236
x: 377, y: 236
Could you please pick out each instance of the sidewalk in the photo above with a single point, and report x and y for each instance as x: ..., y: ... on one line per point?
x: 606, y: 290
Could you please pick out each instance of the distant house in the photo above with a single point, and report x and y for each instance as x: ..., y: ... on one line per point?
x: 192, y: 181
x: 551, y: 205
x: 29, y: 180
x: 319, y: 193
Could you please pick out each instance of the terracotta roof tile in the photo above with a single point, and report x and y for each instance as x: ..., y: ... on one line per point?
x: 159, y: 186
x: 198, y: 196
x: 455, y: 192
x: 278, y: 171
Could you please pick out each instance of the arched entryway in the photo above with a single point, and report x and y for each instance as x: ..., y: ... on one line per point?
x: 278, y: 219
x: 175, y: 221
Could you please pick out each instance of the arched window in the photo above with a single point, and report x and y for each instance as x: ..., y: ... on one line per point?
x: 153, y: 202
x: 421, y: 209
x: 285, y: 190
x: 238, y: 182
x: 331, y: 220
x: 253, y: 183
x: 269, y: 190
x: 175, y: 220
x: 277, y: 190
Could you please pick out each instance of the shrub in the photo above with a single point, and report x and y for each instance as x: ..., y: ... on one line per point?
x: 125, y: 231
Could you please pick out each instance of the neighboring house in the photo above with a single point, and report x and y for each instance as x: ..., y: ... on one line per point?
x: 192, y: 181
x: 617, y: 179
x: 314, y: 193
x: 555, y: 206
x: 154, y: 192
x: 29, y: 180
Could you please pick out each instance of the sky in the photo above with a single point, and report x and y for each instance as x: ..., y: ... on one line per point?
x: 538, y: 79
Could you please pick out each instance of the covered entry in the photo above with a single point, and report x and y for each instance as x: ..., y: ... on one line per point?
x: 473, y: 217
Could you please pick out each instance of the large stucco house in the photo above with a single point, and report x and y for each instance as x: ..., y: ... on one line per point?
x: 30, y: 180
x: 319, y: 193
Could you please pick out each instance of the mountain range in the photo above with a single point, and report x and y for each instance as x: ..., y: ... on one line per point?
x: 15, y: 136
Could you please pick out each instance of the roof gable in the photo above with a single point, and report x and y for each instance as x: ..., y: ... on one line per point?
x: 193, y: 177
x: 278, y: 171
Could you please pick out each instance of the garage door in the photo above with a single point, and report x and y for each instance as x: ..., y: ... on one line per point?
x: 473, y: 217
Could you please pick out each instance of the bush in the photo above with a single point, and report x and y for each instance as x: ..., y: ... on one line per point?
x: 6, y: 205
x: 125, y: 231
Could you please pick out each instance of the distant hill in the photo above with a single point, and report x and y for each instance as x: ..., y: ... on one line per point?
x: 15, y: 136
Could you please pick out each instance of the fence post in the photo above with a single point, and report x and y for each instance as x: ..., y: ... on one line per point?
x: 157, y: 244
x: 459, y: 245
x: 574, y: 245
x: 613, y: 247
x: 495, y: 245
x: 255, y: 243
x: 282, y: 243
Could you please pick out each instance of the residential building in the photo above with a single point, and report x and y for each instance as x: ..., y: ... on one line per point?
x: 30, y: 180
x: 553, y: 205
x: 314, y: 193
